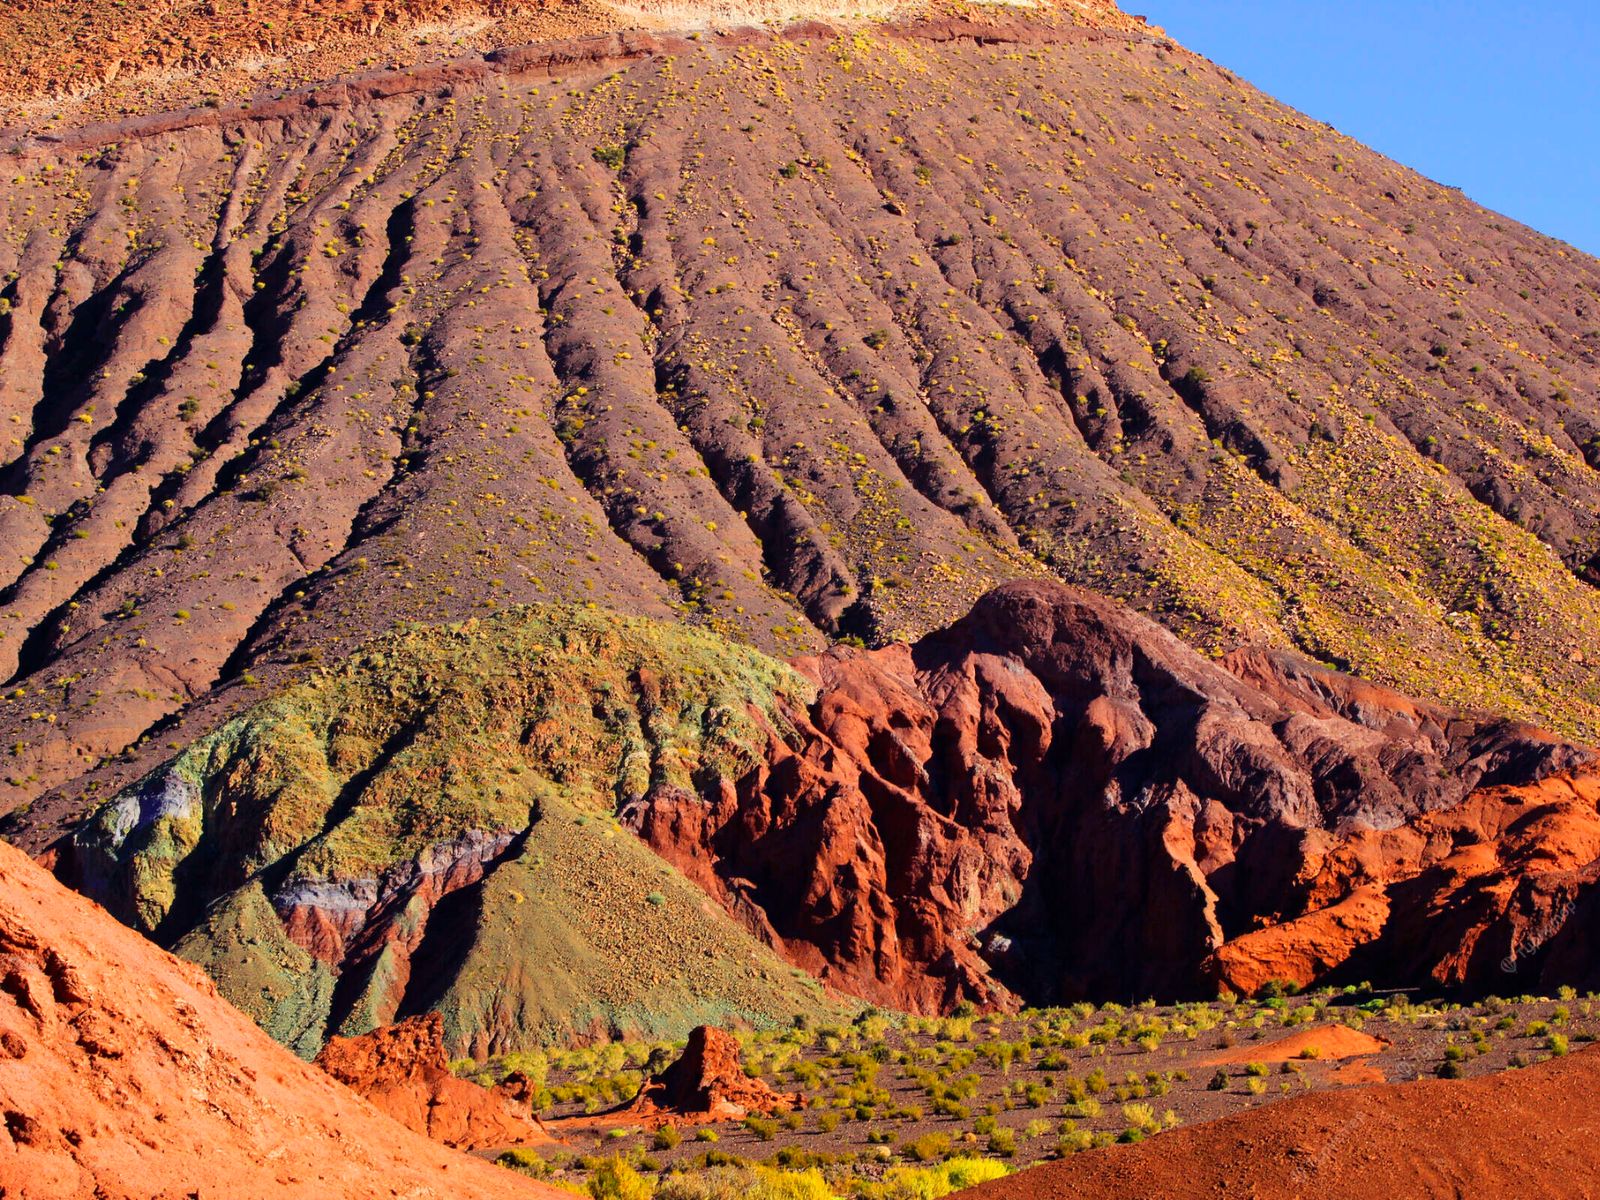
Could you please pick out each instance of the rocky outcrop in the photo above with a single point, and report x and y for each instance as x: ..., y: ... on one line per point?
x: 708, y: 1082
x: 1054, y: 799
x: 404, y: 1071
x: 123, y: 1075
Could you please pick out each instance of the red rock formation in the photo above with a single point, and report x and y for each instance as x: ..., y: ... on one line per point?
x: 708, y: 1082
x: 123, y: 1075
x: 1326, y: 1042
x: 1055, y: 798
x: 404, y: 1071
x: 1528, y: 1133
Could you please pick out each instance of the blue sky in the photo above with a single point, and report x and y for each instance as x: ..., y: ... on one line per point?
x: 1501, y: 100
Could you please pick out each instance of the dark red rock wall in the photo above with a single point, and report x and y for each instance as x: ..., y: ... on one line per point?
x: 1054, y: 798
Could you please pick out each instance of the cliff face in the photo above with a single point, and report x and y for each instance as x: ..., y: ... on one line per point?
x: 1055, y: 799
x: 800, y: 336
x: 1052, y: 798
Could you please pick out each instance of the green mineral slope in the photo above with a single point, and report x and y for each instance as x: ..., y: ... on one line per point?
x: 429, y: 825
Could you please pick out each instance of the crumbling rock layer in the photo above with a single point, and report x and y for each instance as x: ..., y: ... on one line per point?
x: 1528, y: 1133
x: 1054, y: 799
x: 124, y: 1075
x: 404, y: 1072
x: 74, y: 59
x: 799, y: 336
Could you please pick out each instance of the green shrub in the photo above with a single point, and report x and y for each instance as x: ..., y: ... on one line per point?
x: 666, y: 1138
x: 527, y: 1161
x: 1003, y: 1142
x: 930, y: 1147
x: 932, y: 1182
x: 745, y: 1183
x: 1074, y: 1141
x: 616, y: 1180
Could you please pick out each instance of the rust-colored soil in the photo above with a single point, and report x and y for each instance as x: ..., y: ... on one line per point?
x: 1533, y: 1133
x: 123, y: 1075
x: 1323, y: 1042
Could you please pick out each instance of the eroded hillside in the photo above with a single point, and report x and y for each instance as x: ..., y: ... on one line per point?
x: 1051, y: 799
x: 796, y: 337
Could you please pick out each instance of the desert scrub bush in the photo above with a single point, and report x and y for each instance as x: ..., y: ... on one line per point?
x: 1557, y: 1044
x: 528, y: 1162
x: 666, y: 1138
x: 616, y: 1180
x: 931, y: 1182
x: 1141, y: 1117
x: 1003, y: 1142
x: 745, y: 1183
x: 763, y: 1127
x: 930, y: 1147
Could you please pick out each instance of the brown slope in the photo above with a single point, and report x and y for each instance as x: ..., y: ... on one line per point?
x: 1532, y: 1134
x: 122, y: 1074
x: 861, y: 325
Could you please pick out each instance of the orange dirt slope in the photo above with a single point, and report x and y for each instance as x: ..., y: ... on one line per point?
x: 1526, y: 1134
x: 123, y: 1074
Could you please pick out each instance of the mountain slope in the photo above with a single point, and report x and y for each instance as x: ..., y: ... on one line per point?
x: 123, y: 1075
x: 797, y: 336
